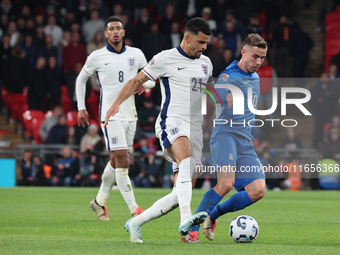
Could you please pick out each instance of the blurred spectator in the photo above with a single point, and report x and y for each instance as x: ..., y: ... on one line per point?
x: 300, y: 45
x: 26, y: 170
x: 37, y: 86
x: 232, y: 38
x: 239, y: 27
x: 219, y: 8
x: 324, y: 104
x: 7, y: 8
x: 333, y: 73
x: 5, y: 52
x: 57, y: 132
x: 39, y: 20
x: 97, y: 43
x: 4, y: 22
x: 26, y: 12
x: 75, y: 28
x: 176, y: 36
x: 268, y: 80
x: 142, y: 147
x: 65, y: 41
x: 127, y: 27
x: 91, y: 27
x: 21, y: 25
x: 15, y: 35
x: 254, y: 26
x: 216, y: 54
x: 227, y: 59
x: 143, y: 27
x: 153, y: 166
x: 48, y: 123
x: 54, y: 75
x: 16, y: 70
x: 292, y: 141
x: 147, y: 117
x: 54, y: 30
x: 65, y: 169
x: 90, y: 168
x: 74, y: 53
x: 38, y: 172
x: 281, y: 38
x: 323, y: 7
x: 167, y: 20
x: 39, y: 37
x: 69, y: 20
x: 334, y: 124
x: 206, y: 15
x: 50, y: 50
x: 101, y: 6
x: 153, y: 42
x: 31, y: 50
x: 70, y: 136
x: 29, y: 27
x: 168, y: 177
x: 117, y: 10
x: 91, y: 137
x: 331, y: 149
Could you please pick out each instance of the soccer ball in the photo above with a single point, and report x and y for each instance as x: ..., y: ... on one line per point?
x: 244, y: 229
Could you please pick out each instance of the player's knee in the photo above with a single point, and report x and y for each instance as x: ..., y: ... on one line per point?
x: 224, y: 186
x: 121, y: 159
x: 257, y: 193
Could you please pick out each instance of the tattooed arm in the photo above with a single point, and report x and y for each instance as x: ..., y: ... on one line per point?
x: 130, y: 87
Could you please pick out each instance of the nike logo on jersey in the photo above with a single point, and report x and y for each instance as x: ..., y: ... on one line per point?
x: 186, y: 181
x: 108, y: 63
x: 180, y: 68
x: 246, y: 82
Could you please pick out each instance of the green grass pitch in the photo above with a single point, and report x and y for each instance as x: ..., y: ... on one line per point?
x: 59, y: 221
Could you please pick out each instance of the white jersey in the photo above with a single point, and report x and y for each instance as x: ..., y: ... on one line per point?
x: 181, y: 77
x: 114, y: 69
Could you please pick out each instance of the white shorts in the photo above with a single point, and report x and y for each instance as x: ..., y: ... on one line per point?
x: 119, y: 135
x: 176, y: 128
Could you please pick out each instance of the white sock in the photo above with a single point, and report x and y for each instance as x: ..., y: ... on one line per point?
x: 108, y: 180
x: 184, y: 186
x: 159, y: 208
x: 125, y: 188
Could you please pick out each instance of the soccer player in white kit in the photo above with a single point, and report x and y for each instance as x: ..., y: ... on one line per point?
x: 114, y: 65
x: 179, y: 124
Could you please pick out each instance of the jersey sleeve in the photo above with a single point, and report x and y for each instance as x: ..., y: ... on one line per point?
x: 157, y: 66
x: 141, y: 60
x: 90, y: 66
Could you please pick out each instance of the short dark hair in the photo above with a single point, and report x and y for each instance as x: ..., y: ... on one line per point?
x: 196, y: 25
x: 255, y: 40
x: 112, y: 19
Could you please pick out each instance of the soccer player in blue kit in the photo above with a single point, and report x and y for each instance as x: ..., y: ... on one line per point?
x: 231, y: 144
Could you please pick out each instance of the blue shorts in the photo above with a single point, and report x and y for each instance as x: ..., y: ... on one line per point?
x: 235, y: 150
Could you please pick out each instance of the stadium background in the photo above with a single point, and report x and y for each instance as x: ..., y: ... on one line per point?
x: 38, y: 72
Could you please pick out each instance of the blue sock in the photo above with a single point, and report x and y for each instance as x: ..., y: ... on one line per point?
x: 236, y: 202
x: 209, y: 201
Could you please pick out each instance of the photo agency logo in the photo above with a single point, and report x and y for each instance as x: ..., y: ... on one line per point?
x: 239, y: 98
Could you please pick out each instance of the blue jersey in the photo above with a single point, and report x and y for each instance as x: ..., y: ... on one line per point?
x: 238, y: 124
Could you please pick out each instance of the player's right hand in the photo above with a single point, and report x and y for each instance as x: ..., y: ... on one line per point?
x: 111, y: 112
x: 83, y: 118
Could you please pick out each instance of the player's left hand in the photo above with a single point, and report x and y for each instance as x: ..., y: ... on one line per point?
x: 230, y: 100
x: 140, y: 90
x: 111, y: 112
